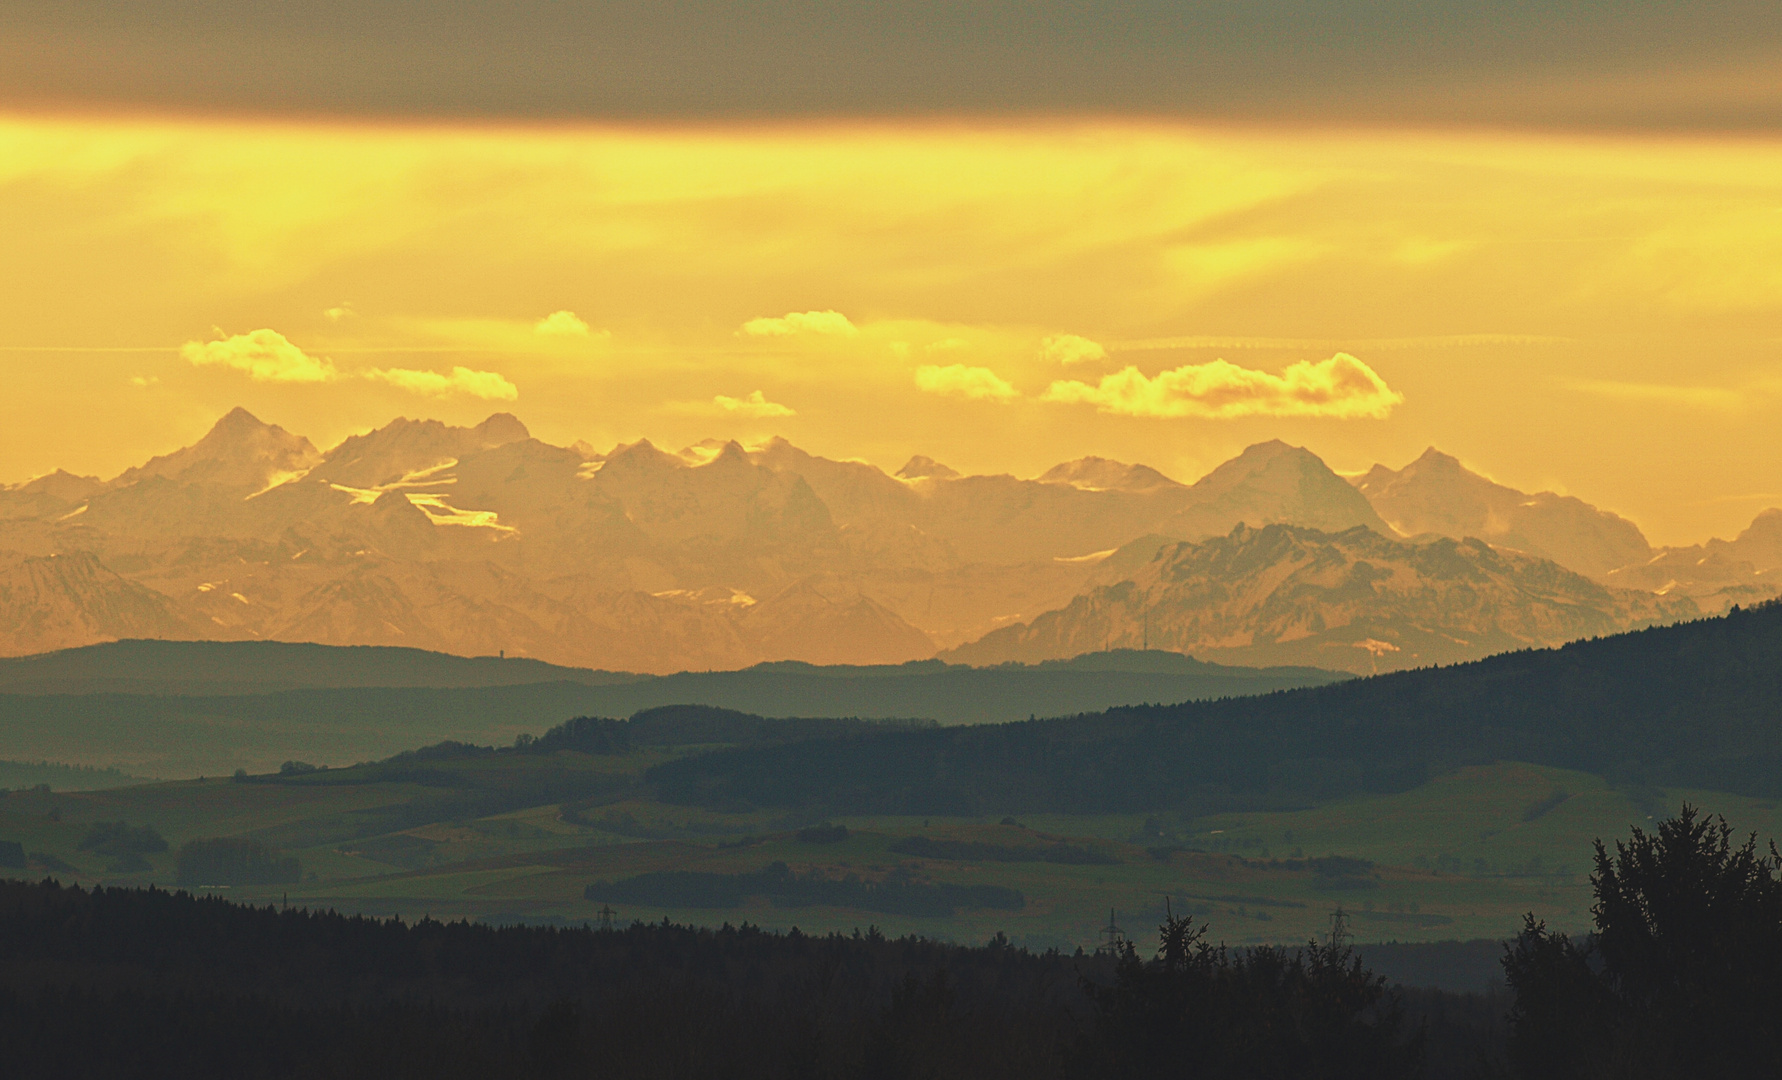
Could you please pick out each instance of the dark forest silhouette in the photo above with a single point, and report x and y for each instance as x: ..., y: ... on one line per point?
x: 1682, y: 978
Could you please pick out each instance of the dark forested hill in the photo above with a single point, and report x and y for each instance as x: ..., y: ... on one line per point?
x: 1696, y: 704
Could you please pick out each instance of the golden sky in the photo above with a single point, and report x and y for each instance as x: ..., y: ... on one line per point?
x: 1597, y: 314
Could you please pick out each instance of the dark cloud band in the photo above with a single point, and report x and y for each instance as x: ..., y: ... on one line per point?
x: 1593, y: 63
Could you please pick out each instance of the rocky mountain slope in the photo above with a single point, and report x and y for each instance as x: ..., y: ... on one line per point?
x: 1719, y: 573
x: 1354, y: 600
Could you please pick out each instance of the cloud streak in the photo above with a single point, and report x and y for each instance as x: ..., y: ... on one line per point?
x: 958, y: 380
x: 1697, y: 397
x: 1341, y: 387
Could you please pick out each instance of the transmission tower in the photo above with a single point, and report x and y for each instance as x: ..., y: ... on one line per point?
x: 1339, y: 930
x: 1113, y: 939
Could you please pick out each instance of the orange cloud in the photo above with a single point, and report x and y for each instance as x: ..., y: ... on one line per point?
x: 1341, y: 387
x: 958, y: 380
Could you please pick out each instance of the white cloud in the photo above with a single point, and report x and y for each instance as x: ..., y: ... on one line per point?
x: 560, y: 324
x: 801, y: 322
x: 957, y: 380
x: 755, y: 406
x: 343, y: 310
x: 946, y: 345
x: 1071, y: 349
x: 265, y: 355
x: 1341, y: 387
x: 488, y: 385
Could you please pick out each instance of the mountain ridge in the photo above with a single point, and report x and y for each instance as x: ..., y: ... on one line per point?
x: 485, y: 539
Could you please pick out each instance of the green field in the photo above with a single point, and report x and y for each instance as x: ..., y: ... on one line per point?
x: 1463, y: 856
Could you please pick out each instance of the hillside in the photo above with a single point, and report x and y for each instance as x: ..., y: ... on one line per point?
x: 1695, y: 704
x: 1355, y: 600
x: 208, y: 708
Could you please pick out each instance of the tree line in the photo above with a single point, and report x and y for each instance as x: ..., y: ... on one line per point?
x: 1681, y: 978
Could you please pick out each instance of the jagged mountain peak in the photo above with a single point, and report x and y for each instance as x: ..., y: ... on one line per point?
x: 240, y: 451
x: 923, y: 467
x: 642, y: 454
x: 405, y: 447
x: 1438, y: 494
x: 721, y: 452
